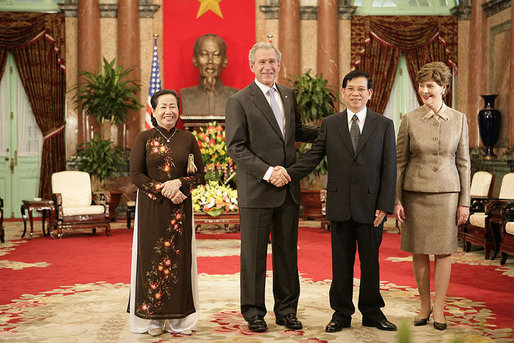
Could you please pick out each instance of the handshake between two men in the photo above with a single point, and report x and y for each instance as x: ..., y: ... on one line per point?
x: 279, y: 177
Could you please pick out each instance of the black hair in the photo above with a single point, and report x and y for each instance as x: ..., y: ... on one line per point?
x: 156, y: 95
x: 357, y: 73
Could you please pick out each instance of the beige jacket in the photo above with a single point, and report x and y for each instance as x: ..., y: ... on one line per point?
x: 433, y: 153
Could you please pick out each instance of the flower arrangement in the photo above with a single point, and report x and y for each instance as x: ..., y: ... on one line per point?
x: 218, y: 165
x: 214, y: 198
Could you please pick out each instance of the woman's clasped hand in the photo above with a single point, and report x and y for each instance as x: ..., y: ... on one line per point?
x: 171, y: 190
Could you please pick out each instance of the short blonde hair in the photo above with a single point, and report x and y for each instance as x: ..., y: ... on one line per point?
x: 437, y: 71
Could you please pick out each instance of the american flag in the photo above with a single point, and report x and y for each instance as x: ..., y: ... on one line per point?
x: 155, y: 85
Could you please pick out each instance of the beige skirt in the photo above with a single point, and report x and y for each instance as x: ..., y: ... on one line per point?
x: 431, y: 223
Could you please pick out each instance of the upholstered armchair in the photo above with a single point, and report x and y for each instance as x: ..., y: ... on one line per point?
x: 483, y: 228
x: 76, y: 206
x: 507, y: 234
x: 2, y: 232
x: 481, y: 191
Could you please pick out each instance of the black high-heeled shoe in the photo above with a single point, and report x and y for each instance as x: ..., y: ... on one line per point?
x: 441, y: 326
x: 422, y: 321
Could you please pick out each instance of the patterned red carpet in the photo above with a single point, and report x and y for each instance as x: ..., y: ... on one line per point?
x: 76, y: 289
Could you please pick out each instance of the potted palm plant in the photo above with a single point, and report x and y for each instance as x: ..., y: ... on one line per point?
x: 316, y: 100
x: 107, y: 96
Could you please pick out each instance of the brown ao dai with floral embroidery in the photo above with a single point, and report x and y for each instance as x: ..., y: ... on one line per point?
x: 163, y: 285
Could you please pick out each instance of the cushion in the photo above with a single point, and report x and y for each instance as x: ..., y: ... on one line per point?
x: 507, y: 188
x: 509, y: 228
x: 74, y: 186
x: 73, y: 211
x: 477, y: 219
x: 480, y: 184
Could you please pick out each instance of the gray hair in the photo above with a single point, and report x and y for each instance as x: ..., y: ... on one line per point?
x: 263, y: 45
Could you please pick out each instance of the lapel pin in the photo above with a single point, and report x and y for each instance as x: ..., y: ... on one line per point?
x: 285, y: 96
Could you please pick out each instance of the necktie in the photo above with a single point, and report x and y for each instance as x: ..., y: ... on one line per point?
x: 355, y: 132
x: 276, y: 110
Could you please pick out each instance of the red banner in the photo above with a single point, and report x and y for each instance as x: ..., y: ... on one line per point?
x: 186, y: 20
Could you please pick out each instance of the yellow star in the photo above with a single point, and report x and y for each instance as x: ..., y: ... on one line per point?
x: 209, y: 5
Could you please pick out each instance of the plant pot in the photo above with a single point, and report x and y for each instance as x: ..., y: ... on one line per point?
x: 311, y: 202
x: 489, y: 124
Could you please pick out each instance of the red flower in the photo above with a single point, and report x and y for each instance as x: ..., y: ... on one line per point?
x: 167, y: 244
x: 155, y: 143
x: 166, y: 271
x: 155, y: 150
x: 178, y: 216
x: 153, y: 286
x: 161, y: 268
x: 158, y: 295
x: 167, y: 262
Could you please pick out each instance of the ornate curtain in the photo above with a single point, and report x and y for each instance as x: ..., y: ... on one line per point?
x: 421, y: 39
x: 37, y: 42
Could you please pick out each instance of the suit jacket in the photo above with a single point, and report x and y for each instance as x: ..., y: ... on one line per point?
x: 255, y: 142
x: 433, y: 155
x: 358, y: 183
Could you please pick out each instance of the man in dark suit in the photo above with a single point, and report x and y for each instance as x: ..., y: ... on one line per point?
x: 360, y: 148
x: 262, y: 125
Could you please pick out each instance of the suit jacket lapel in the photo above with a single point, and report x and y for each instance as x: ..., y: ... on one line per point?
x: 369, y: 126
x: 289, y: 114
x: 345, y: 131
x: 262, y: 104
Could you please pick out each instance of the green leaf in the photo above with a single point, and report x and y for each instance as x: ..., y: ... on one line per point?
x: 107, y: 95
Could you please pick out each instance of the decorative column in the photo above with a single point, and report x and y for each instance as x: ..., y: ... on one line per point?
x: 89, y: 57
x: 477, y: 69
x: 328, y: 38
x: 129, y: 52
x: 289, y: 40
x: 511, y: 103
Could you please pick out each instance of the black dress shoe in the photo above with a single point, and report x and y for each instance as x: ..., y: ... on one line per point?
x: 337, y: 325
x: 382, y: 324
x: 290, y: 321
x: 257, y: 324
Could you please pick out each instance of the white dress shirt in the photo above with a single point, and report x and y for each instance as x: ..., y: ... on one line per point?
x: 265, y: 89
x: 361, y: 115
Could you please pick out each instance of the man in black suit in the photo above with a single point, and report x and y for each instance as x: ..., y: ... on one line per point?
x: 262, y: 125
x: 360, y: 148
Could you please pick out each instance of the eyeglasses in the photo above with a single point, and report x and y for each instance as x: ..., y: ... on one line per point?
x: 351, y: 90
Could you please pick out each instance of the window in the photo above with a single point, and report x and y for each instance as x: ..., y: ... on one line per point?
x: 404, y: 7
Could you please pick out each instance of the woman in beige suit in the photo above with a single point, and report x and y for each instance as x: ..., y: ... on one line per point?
x: 432, y: 187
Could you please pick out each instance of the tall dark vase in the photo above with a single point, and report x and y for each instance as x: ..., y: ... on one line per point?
x: 489, y: 124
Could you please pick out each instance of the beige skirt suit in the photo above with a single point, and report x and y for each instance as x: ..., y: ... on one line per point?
x: 433, y: 178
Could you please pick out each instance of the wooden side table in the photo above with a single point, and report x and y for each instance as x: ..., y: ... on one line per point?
x: 46, y: 207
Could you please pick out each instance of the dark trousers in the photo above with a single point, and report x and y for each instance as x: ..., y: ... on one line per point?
x: 345, y: 235
x: 256, y: 225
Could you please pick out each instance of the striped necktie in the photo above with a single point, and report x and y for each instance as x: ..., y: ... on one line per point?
x: 276, y: 110
x: 355, y: 132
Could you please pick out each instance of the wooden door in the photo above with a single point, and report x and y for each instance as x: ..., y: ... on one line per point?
x: 20, y: 144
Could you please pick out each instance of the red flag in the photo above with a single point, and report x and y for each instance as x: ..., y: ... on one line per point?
x: 186, y: 20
